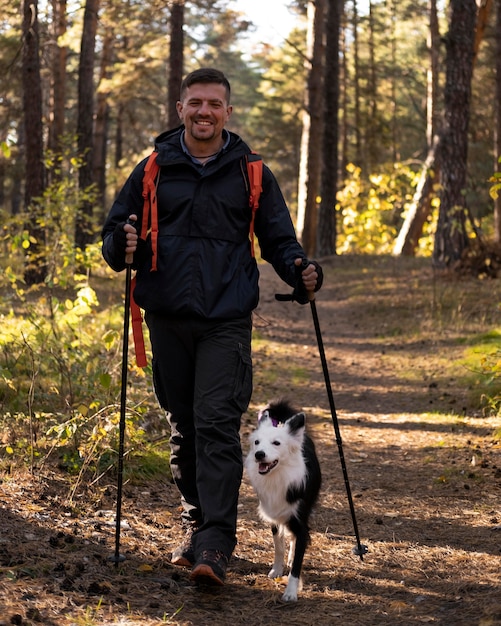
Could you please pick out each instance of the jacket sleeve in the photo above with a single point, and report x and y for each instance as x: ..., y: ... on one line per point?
x: 275, y: 231
x: 128, y: 202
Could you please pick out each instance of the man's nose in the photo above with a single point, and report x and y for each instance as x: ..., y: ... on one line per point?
x: 204, y: 108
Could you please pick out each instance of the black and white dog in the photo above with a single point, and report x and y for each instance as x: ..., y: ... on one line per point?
x: 283, y: 468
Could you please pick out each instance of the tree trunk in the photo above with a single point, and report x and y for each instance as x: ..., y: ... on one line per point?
x: 102, y: 123
x: 327, y: 210
x: 83, y: 223
x: 371, y: 137
x: 394, y: 103
x: 343, y: 82
x: 497, y: 127
x: 484, y: 10
x: 310, y: 166
x: 59, y: 57
x: 176, y: 60
x: 356, y: 80
x: 451, y: 239
x: 432, y: 75
x: 35, y: 270
x: 412, y: 228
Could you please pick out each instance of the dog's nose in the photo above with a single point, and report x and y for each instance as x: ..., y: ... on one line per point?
x: 260, y: 455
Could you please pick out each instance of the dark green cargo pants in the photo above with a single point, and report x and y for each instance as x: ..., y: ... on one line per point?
x: 202, y: 373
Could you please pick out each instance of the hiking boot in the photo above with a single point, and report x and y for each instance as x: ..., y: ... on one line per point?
x: 210, y: 568
x: 184, y: 555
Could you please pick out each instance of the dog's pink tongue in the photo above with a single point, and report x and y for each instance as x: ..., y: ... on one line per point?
x: 263, y: 468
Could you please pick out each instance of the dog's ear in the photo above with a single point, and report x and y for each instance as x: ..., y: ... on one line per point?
x: 263, y: 415
x: 296, y: 422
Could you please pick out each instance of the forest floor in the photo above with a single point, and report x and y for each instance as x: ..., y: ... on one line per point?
x: 423, y: 461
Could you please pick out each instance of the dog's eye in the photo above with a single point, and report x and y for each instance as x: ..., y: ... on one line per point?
x: 256, y: 442
x: 276, y: 443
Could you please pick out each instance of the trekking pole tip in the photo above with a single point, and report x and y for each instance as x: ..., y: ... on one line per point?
x: 116, y: 558
x: 360, y: 549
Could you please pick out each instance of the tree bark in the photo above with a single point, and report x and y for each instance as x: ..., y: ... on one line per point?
x: 176, y: 60
x: 59, y: 57
x: 356, y: 81
x: 327, y: 210
x: 310, y: 166
x: 497, y: 127
x: 83, y: 223
x: 371, y: 136
x: 432, y: 74
x: 451, y: 239
x: 102, y: 123
x: 35, y: 269
x: 412, y: 228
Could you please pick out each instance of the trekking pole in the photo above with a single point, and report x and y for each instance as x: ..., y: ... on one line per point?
x: 360, y: 549
x: 117, y: 557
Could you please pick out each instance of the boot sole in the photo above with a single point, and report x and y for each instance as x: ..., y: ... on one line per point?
x: 182, y: 561
x: 205, y: 575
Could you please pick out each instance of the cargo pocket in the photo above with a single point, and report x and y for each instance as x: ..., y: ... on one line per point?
x: 242, y: 390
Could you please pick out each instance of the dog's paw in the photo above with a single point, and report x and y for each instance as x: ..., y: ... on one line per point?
x: 276, y: 571
x: 290, y: 593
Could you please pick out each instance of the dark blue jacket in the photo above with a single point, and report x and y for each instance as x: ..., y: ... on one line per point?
x: 205, y: 266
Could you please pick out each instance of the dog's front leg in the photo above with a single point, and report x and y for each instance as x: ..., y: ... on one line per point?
x: 294, y: 585
x: 292, y: 552
x: 278, y: 565
x: 301, y: 539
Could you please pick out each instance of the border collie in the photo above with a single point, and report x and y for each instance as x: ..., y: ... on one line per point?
x: 283, y: 469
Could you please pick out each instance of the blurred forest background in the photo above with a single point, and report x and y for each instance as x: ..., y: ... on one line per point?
x: 380, y: 119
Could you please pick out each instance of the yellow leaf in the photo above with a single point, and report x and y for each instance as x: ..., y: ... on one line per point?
x: 145, y: 568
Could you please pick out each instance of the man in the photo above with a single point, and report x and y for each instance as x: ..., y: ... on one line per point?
x: 199, y: 301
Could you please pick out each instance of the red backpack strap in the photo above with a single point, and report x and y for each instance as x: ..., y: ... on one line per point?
x: 255, y: 174
x: 149, y: 220
x: 150, y: 207
x: 137, y: 328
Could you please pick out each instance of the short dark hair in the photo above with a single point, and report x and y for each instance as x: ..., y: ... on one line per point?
x: 205, y: 75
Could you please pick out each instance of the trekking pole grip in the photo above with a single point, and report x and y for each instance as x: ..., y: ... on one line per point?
x: 304, y: 265
x: 129, y: 258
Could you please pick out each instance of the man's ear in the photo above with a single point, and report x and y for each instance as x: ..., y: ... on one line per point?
x: 179, y: 109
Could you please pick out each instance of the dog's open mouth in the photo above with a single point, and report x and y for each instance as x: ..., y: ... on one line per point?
x: 264, y: 468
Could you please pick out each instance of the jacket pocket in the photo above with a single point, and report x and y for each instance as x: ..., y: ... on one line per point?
x: 242, y: 389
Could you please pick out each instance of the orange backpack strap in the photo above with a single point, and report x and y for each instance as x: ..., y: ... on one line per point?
x: 255, y: 174
x: 149, y: 221
x: 150, y: 207
x: 137, y: 328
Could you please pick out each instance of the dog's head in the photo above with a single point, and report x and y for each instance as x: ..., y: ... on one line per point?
x: 275, y: 443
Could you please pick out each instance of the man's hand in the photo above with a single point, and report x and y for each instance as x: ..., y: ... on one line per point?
x: 125, y: 238
x: 131, y: 236
x: 312, y: 275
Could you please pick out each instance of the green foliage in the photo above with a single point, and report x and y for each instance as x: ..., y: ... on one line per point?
x: 490, y: 369
x: 370, y: 211
x: 60, y: 354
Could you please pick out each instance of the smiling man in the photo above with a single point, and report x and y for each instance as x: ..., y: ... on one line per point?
x: 198, y: 301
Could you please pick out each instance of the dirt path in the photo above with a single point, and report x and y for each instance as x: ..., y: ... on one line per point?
x: 424, y: 469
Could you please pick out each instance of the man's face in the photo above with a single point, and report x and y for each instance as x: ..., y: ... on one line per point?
x: 204, y: 111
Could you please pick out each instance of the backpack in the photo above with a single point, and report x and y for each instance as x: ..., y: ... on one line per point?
x: 254, y: 165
